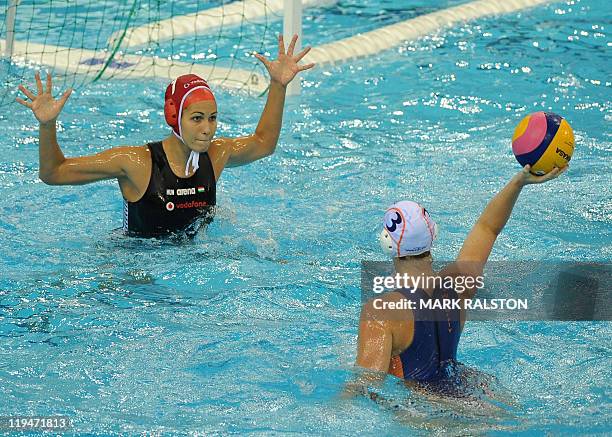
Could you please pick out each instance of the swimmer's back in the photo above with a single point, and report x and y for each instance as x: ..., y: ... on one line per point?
x: 410, y: 344
x: 435, y: 337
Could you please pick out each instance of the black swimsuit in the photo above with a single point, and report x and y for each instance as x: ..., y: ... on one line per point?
x: 172, y: 204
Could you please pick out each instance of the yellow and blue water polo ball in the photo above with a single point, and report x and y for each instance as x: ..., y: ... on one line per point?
x: 543, y: 140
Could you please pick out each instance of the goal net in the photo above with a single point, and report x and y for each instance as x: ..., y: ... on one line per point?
x: 82, y: 41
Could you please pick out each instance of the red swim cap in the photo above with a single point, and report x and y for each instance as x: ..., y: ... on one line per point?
x: 182, y: 92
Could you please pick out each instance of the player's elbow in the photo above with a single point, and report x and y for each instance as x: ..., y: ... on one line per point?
x: 49, y: 178
x: 269, y: 149
x: 267, y: 143
x: 53, y: 174
x: 489, y: 227
x: 266, y: 151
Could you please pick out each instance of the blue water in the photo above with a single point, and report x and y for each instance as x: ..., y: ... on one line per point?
x: 252, y: 327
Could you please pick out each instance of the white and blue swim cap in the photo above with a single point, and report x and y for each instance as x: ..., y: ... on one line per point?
x: 407, y: 230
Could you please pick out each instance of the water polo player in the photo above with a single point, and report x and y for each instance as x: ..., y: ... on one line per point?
x: 420, y: 344
x: 168, y: 186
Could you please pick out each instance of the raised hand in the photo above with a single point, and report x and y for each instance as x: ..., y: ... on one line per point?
x: 45, y: 108
x: 525, y: 177
x: 285, y: 67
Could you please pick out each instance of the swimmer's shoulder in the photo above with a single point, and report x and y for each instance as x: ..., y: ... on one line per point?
x: 137, y: 164
x: 389, y: 311
x: 401, y: 322
x: 135, y: 161
x: 220, y: 147
x: 140, y: 149
x: 388, y: 307
x: 119, y: 157
x: 132, y: 151
x: 219, y: 152
x: 133, y: 156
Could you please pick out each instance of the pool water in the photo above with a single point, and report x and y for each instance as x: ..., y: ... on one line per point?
x: 252, y: 326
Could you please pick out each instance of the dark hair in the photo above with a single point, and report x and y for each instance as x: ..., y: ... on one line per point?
x: 422, y: 255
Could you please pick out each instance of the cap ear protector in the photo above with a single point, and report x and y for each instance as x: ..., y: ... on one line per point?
x: 386, y: 243
x: 170, y: 112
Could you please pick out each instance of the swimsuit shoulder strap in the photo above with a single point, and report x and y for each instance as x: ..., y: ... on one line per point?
x: 205, y: 162
x: 158, y: 156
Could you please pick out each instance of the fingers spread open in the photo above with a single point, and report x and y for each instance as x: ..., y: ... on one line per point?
x: 262, y: 59
x: 292, y: 45
x: 27, y: 92
x: 62, y: 100
x: 24, y: 103
x: 306, y: 67
x: 38, y: 83
x: 303, y: 53
x: 49, y: 86
x: 281, y: 45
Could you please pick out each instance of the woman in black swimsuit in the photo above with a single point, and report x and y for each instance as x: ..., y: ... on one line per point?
x: 168, y: 186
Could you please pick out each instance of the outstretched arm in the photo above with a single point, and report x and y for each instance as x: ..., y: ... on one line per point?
x: 262, y: 143
x: 478, y: 245
x: 54, y: 167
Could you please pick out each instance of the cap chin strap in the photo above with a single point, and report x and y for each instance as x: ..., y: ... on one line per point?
x: 194, y: 160
x: 194, y: 157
